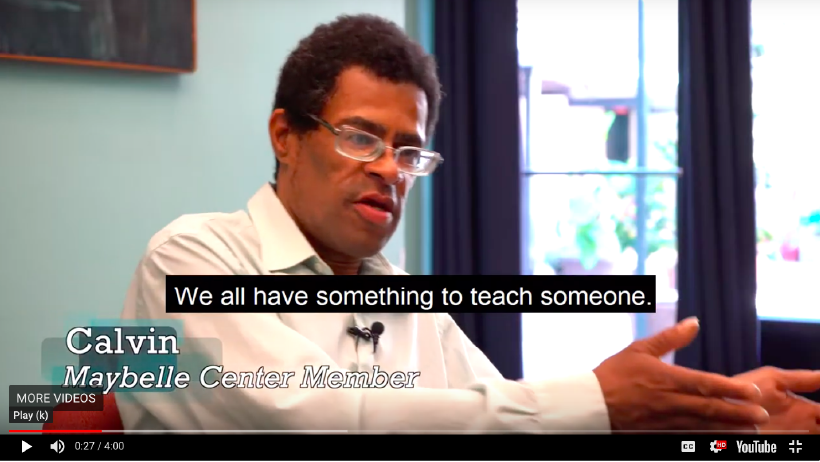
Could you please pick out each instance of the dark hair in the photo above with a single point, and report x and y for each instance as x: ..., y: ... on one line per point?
x: 308, y: 78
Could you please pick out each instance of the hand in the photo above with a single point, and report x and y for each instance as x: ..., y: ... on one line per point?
x: 789, y: 412
x: 642, y: 393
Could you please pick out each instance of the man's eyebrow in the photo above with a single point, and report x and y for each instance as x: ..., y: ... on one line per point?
x: 408, y: 139
x: 402, y: 139
x: 363, y: 124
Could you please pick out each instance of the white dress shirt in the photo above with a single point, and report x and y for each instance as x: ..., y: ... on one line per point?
x: 458, y: 389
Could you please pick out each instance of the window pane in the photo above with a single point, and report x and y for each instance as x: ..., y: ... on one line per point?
x: 787, y: 157
x: 581, y: 110
x: 582, y: 224
x: 583, y: 79
x: 586, y: 224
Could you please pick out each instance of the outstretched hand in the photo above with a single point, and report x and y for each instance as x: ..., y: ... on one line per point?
x: 642, y: 393
x: 789, y: 412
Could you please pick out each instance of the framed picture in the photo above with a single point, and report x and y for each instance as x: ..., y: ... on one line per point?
x: 145, y: 35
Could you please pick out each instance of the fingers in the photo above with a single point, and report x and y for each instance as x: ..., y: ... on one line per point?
x: 800, y: 381
x: 669, y: 340
x: 805, y: 400
x: 714, y: 385
x: 719, y: 411
x: 812, y: 406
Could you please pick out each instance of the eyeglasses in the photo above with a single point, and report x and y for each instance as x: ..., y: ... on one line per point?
x: 365, y: 147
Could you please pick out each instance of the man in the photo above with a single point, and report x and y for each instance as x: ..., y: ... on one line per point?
x: 357, y: 101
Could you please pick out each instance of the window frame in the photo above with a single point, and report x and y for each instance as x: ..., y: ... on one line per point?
x: 640, y: 105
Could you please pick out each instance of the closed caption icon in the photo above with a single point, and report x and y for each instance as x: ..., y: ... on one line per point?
x: 687, y: 446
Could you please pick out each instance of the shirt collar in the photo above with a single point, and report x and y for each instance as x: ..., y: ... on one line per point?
x: 282, y: 243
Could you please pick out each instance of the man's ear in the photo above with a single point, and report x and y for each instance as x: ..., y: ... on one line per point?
x: 280, y: 137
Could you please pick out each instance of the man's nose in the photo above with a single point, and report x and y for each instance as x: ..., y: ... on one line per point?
x: 385, y: 168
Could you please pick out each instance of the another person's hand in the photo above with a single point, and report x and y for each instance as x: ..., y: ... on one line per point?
x: 642, y: 393
x: 789, y: 412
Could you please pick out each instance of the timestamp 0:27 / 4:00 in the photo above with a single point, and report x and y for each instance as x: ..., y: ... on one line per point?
x: 99, y: 445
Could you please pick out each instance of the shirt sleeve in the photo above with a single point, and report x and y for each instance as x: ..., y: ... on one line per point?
x: 567, y: 404
x: 250, y: 341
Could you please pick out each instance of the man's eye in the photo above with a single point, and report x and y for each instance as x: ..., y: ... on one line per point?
x: 361, y: 140
x: 411, y: 157
x: 411, y: 160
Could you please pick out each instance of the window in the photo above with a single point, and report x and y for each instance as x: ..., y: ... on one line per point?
x: 598, y: 90
x: 786, y: 103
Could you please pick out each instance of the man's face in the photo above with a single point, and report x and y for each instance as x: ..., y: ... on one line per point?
x: 344, y: 205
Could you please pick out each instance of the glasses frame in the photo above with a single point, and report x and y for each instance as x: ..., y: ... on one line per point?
x: 434, y: 162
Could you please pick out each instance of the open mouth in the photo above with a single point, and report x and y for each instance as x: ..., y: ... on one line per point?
x: 375, y: 211
x: 378, y: 205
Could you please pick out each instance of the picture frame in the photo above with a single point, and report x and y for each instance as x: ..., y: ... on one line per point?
x: 141, y: 35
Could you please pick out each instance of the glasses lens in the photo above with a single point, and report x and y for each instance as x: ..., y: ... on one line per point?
x: 356, y: 143
x: 416, y: 161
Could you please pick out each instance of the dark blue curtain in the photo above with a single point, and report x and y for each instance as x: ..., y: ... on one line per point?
x: 476, y: 192
x: 716, y: 205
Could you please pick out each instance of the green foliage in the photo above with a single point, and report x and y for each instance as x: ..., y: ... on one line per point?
x: 586, y: 238
x: 660, y: 207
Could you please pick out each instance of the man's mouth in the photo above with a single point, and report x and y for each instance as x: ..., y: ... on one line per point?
x: 376, y: 210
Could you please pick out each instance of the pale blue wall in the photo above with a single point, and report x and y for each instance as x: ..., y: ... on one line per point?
x: 93, y: 162
x: 418, y: 240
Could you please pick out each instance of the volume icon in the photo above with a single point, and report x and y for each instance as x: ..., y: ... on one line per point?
x: 58, y: 446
